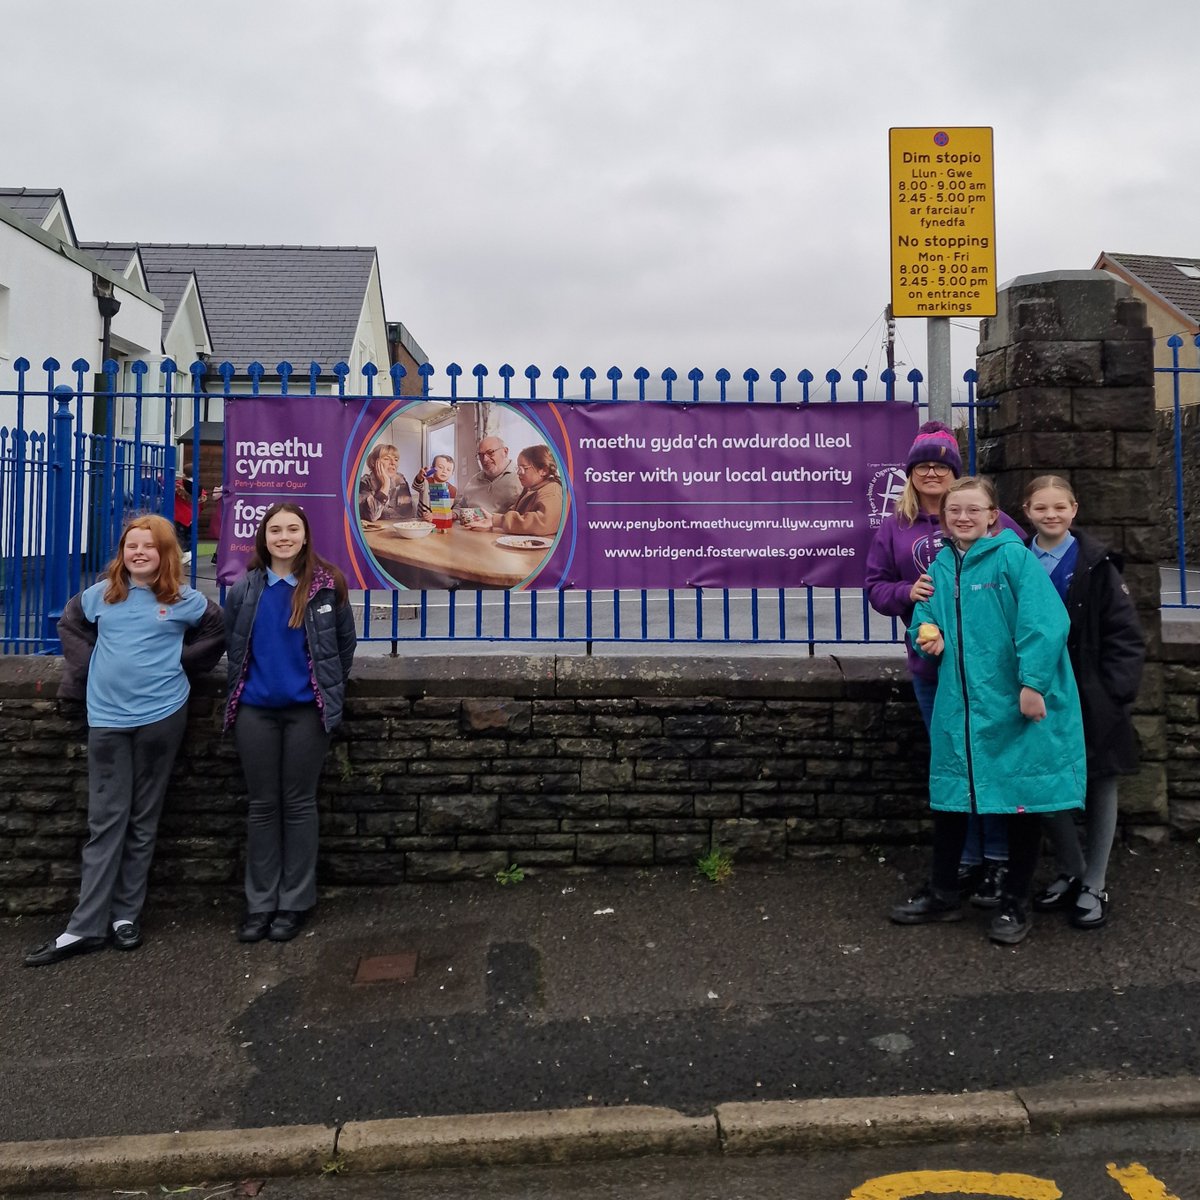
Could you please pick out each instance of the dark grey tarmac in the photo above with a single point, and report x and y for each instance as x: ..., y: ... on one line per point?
x: 578, y: 990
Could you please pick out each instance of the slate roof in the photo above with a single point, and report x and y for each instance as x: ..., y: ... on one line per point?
x: 264, y: 303
x: 1162, y: 277
x: 114, y: 255
x: 34, y: 204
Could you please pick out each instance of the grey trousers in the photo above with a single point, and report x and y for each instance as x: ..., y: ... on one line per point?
x: 128, y: 772
x: 282, y: 750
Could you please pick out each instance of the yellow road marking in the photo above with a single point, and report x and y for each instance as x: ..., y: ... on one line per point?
x: 1007, y: 1185
x: 1138, y: 1184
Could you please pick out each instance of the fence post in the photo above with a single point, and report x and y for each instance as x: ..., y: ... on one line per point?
x: 58, y: 540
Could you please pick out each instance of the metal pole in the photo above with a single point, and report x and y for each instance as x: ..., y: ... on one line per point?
x: 939, y: 370
x: 58, y: 577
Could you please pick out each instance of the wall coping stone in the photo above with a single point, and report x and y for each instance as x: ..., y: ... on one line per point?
x: 547, y: 676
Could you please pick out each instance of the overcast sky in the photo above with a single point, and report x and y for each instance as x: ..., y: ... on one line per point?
x: 636, y: 182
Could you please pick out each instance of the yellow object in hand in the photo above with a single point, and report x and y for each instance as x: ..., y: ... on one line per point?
x: 927, y: 632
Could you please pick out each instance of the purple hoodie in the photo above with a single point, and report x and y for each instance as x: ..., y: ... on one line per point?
x: 899, y: 554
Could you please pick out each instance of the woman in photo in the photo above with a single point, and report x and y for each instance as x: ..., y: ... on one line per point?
x: 383, y: 493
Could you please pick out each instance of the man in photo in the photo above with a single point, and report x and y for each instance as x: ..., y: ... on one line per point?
x: 495, y: 487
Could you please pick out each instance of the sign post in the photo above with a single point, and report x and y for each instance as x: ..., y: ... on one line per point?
x: 943, y: 237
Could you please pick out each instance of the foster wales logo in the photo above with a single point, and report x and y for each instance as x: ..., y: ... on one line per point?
x: 883, y: 491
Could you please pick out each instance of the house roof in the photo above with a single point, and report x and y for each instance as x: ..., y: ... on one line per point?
x: 112, y: 254
x: 263, y: 303
x: 34, y: 204
x: 1162, y: 277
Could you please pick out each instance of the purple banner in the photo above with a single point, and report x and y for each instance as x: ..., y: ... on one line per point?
x: 405, y: 493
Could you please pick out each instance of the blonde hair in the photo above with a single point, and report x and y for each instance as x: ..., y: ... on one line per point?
x: 979, y: 484
x: 909, y: 504
x: 1049, y: 481
x: 166, y: 583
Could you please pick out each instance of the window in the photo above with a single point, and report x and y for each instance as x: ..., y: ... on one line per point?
x: 1191, y: 270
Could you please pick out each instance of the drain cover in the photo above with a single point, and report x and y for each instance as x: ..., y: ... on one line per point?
x: 386, y: 968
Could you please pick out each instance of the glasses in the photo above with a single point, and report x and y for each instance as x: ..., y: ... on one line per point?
x: 931, y: 469
x: 488, y: 453
x: 973, y: 510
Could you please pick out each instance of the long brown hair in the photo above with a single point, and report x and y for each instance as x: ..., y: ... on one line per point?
x: 166, y: 584
x: 541, y: 458
x: 307, y: 561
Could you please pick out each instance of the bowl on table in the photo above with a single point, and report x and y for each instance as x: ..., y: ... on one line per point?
x: 412, y: 529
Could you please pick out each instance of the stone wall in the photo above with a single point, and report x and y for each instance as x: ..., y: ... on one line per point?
x: 455, y: 767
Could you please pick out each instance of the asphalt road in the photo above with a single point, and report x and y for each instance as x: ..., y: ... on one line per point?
x: 571, y: 990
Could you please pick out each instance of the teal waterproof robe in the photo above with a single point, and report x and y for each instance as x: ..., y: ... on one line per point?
x: 1004, y: 628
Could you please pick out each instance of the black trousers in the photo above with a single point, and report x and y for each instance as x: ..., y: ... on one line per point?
x: 1024, y: 847
x: 282, y: 750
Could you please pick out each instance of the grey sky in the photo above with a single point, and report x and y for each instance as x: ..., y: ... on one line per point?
x: 635, y: 182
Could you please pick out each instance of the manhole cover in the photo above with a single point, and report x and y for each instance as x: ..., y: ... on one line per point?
x: 386, y: 968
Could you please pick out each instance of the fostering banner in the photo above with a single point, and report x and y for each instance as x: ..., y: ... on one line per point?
x: 629, y: 495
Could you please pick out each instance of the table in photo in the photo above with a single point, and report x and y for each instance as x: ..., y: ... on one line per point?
x: 470, y: 555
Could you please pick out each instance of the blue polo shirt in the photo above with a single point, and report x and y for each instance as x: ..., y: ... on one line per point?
x: 279, y: 674
x: 1059, y: 563
x: 134, y: 675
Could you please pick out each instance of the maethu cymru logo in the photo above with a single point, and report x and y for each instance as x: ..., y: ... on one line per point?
x: 883, y: 491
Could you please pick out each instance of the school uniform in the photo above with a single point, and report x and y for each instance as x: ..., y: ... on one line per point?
x: 286, y: 692
x: 130, y: 660
x: 1107, y: 652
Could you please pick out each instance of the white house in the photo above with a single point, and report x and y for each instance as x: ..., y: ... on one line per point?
x: 58, y: 301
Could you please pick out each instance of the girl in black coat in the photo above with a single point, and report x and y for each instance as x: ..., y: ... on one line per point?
x: 1107, y: 651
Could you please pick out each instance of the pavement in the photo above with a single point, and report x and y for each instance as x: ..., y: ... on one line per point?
x: 579, y: 1015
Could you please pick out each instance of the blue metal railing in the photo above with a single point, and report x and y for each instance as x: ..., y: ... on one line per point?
x: 65, y: 493
x: 1177, y: 374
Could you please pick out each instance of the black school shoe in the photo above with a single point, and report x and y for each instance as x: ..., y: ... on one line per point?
x: 254, y: 926
x: 989, y: 889
x: 286, y: 925
x: 1062, y: 893
x: 48, y: 953
x: 126, y: 936
x: 1012, y: 923
x: 1091, y: 909
x: 927, y: 906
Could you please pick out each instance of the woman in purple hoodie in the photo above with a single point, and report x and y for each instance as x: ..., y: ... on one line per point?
x: 897, y: 577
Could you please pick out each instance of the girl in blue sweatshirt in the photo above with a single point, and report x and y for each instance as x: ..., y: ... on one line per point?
x: 129, y: 642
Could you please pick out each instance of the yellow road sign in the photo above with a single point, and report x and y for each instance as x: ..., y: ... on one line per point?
x: 943, y: 222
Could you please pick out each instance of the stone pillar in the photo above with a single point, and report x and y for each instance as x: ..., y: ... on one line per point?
x: 1067, y: 369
